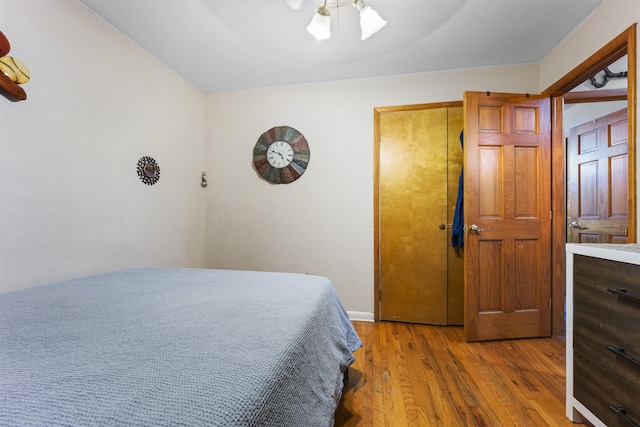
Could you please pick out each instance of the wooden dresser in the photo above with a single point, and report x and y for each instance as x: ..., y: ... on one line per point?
x: 603, y: 334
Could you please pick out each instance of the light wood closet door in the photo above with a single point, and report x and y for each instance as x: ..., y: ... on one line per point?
x: 415, y: 216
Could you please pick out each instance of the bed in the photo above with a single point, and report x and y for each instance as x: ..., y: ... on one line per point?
x: 150, y: 347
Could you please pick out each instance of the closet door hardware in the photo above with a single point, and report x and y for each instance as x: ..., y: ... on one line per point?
x: 622, y: 413
x: 624, y: 293
x: 443, y: 226
x: 621, y: 352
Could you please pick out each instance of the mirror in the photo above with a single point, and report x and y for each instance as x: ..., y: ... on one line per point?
x: 595, y: 127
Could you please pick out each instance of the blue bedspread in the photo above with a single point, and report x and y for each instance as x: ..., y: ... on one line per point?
x: 174, y: 347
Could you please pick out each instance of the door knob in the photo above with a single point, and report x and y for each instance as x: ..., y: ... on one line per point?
x: 474, y: 229
x: 574, y: 224
x: 443, y: 226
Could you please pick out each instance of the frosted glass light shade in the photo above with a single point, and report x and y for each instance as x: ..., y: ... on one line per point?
x: 370, y: 22
x: 295, y: 4
x: 320, y: 26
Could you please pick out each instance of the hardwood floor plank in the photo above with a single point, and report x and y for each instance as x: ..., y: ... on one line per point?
x: 420, y: 375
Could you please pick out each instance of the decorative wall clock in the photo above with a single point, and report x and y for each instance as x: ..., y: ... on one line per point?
x: 148, y: 170
x: 281, y: 155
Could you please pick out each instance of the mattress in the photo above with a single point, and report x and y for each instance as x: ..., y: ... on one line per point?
x: 152, y: 347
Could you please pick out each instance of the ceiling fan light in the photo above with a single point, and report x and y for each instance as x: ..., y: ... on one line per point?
x: 295, y: 4
x: 370, y: 22
x: 320, y: 26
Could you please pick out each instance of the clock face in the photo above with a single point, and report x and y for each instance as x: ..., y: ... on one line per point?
x: 281, y: 155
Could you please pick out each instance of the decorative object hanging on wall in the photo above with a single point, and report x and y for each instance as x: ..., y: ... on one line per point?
x: 13, y: 73
x: 281, y: 155
x: 608, y: 75
x: 148, y: 170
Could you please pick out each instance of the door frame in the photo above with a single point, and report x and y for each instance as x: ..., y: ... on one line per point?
x: 377, y: 111
x: 623, y: 44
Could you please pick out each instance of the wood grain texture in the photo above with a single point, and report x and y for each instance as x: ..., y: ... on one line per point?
x: 507, y: 194
x: 420, y: 375
x: 604, y: 321
x: 595, y: 96
x: 11, y: 90
x: 559, y: 218
x: 5, y: 46
x: 417, y: 162
x: 413, y: 201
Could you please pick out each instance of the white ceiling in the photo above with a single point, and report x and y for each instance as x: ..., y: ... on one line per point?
x: 221, y: 45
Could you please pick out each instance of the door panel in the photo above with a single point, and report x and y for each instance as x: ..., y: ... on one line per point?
x: 526, y: 182
x: 413, y: 202
x: 455, y: 258
x: 489, y: 188
x: 420, y: 276
x: 597, y: 181
x: 507, y: 198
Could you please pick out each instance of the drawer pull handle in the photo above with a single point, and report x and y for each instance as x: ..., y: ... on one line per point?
x: 624, y: 293
x: 622, y: 413
x: 621, y: 352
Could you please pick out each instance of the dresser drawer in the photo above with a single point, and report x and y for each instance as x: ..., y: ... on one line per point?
x: 606, y: 339
x: 600, y: 322
x: 603, y: 318
x: 606, y: 274
x: 598, y: 389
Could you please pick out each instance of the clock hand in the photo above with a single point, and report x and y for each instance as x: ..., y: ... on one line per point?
x: 274, y: 151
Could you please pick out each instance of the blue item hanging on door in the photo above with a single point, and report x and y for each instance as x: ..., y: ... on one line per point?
x: 457, y: 228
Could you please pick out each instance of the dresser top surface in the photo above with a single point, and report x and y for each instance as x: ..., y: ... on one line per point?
x: 629, y: 253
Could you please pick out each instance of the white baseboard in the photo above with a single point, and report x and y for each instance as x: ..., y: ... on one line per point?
x: 360, y: 316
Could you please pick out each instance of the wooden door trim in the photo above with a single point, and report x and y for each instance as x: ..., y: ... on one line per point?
x: 595, y: 96
x: 413, y: 107
x: 377, y: 111
x: 623, y: 44
x: 605, y: 56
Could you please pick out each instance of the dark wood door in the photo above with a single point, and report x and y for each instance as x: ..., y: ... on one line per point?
x: 597, y: 181
x: 507, y: 214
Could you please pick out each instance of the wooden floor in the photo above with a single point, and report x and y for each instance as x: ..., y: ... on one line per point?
x: 418, y: 375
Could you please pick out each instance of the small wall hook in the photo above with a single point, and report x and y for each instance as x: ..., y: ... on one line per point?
x: 203, y: 181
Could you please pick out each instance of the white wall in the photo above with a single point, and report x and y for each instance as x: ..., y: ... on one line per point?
x: 605, y: 23
x: 323, y: 222
x: 577, y: 114
x: 71, y: 202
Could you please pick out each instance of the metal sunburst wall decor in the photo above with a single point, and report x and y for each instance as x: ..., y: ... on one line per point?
x: 148, y: 170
